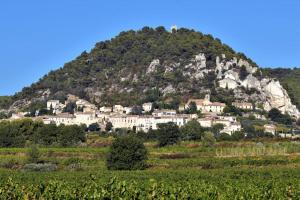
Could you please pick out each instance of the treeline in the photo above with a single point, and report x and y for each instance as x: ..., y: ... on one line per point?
x: 20, y: 133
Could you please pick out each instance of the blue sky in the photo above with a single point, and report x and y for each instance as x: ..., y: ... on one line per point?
x: 38, y: 36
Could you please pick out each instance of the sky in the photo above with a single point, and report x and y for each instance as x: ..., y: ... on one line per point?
x: 38, y: 36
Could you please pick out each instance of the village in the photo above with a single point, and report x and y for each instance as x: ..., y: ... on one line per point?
x: 120, y: 117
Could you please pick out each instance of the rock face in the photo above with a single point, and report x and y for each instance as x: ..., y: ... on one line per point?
x: 277, y: 97
x: 152, y: 67
x: 269, y: 91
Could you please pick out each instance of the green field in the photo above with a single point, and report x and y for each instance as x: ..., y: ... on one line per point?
x: 230, y: 170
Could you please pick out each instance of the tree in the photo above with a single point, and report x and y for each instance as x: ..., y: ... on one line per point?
x: 108, y: 126
x: 70, y: 107
x: 94, y: 127
x: 208, y: 139
x: 168, y: 134
x: 216, y: 128
x: 47, y: 135
x: 192, y: 109
x: 276, y: 116
x: 71, y: 135
x: 191, y: 130
x: 136, y: 110
x: 127, y: 153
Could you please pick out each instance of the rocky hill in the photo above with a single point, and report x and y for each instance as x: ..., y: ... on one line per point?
x: 160, y: 66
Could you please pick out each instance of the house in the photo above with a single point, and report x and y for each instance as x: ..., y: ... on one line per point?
x: 205, y: 122
x: 52, y: 104
x: 127, y: 110
x: 15, y: 116
x: 243, y: 105
x: 147, y: 107
x: 270, y: 128
x: 206, y: 106
x: 87, y: 118
x: 123, y: 121
x: 118, y: 108
x: 228, y: 118
x: 181, y: 108
x: 85, y: 106
x: 145, y: 123
x: 62, y: 118
x: 164, y: 112
x: 233, y: 127
x: 55, y: 105
x: 105, y: 109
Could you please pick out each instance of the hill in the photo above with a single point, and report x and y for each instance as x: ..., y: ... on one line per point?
x: 158, y: 66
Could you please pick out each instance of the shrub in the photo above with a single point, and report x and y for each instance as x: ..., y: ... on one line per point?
x: 208, y: 140
x: 238, y: 135
x: 41, y: 167
x: 225, y: 137
x: 192, y: 130
x: 168, y: 134
x: 127, y: 153
x: 9, y: 164
x: 74, y: 164
x: 33, y: 154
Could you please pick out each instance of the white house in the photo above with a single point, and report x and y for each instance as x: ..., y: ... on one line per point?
x: 243, y: 105
x: 127, y: 110
x: 145, y: 123
x: 118, y: 108
x: 164, y: 112
x: 87, y: 118
x: 55, y: 105
x: 105, y: 109
x: 205, y: 122
x: 147, y: 107
x: 62, y: 118
x: 233, y: 127
x: 123, y: 121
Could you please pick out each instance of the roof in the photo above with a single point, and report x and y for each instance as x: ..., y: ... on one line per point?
x: 197, y: 101
x: 163, y: 110
x: 217, y: 104
x: 242, y: 103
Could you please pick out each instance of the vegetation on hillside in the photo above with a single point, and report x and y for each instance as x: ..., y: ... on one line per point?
x: 112, y: 65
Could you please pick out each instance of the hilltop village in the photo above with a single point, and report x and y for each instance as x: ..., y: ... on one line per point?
x: 146, y: 117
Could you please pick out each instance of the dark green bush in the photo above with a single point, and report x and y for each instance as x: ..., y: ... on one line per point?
x: 127, y: 153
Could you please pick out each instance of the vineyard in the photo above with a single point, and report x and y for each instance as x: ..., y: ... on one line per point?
x: 240, y: 170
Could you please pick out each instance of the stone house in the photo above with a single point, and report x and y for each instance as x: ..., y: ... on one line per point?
x: 206, y: 106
